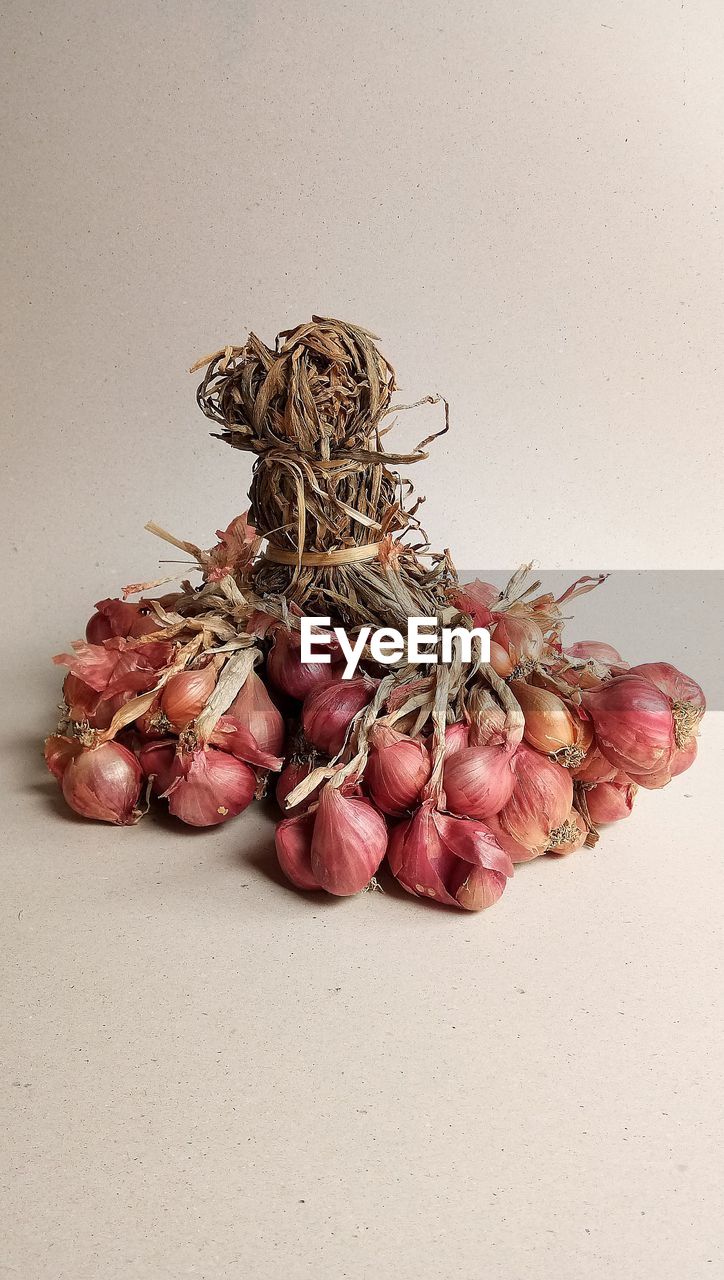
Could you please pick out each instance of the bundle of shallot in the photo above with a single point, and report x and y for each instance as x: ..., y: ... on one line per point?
x: 202, y: 699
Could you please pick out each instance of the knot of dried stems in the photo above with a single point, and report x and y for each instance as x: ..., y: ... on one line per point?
x: 323, y: 492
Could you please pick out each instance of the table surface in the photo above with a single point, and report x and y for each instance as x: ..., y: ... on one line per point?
x: 208, y: 1074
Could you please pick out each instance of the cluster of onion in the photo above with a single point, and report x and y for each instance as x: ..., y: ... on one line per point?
x: 103, y: 774
x: 592, y: 731
x: 451, y: 812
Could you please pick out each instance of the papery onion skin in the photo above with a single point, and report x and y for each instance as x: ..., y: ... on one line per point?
x: 348, y: 843
x: 549, y: 725
x: 328, y: 711
x: 596, y: 649
x: 594, y: 767
x: 293, y: 843
x: 209, y: 787
x: 633, y: 724
x: 58, y: 752
x: 104, y: 783
x: 186, y: 695
x: 253, y: 707
x: 457, y: 736
x: 397, y: 769
x: 610, y: 801
x: 521, y: 638
x: 478, y: 781
x: 500, y: 660
x: 294, y: 677
x: 231, y: 735
x: 686, y: 697
x: 454, y: 861
x: 541, y: 800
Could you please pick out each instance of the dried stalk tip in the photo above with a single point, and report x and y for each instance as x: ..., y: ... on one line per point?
x: 323, y: 493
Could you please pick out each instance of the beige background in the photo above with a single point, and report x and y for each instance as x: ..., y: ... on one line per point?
x: 204, y: 1074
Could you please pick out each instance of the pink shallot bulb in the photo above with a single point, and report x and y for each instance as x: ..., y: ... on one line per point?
x: 521, y: 638
x: 104, y: 783
x: 686, y: 699
x: 233, y: 736
x: 293, y: 842
x: 570, y: 836
x: 398, y: 768
x: 291, y: 675
x: 541, y: 800
x: 455, y: 861
x: 328, y: 712
x: 186, y: 695
x: 457, y: 736
x: 596, y: 649
x: 289, y: 778
x: 478, y: 781
x: 254, y: 709
x: 119, y: 618
x: 348, y: 842
x: 634, y: 726
x: 610, y: 801
x: 208, y: 787
x: 594, y: 767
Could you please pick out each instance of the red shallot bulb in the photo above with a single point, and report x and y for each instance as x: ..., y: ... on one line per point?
x: 104, y: 783
x: 457, y: 736
x: 293, y: 841
x: 686, y: 697
x: 500, y: 660
x: 254, y: 709
x: 348, y: 842
x: 328, y: 711
x: 541, y: 801
x: 596, y: 649
x: 478, y: 781
x: 289, y: 778
x: 291, y: 675
x: 634, y: 725
x: 157, y: 762
x: 119, y: 618
x: 186, y: 695
x: 208, y: 787
x: 610, y: 801
x: 398, y: 768
x: 455, y: 861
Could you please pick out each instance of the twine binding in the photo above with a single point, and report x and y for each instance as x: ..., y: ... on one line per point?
x: 321, y: 559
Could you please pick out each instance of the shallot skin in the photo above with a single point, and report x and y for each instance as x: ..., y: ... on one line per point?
x: 634, y: 726
x: 455, y: 861
x: 104, y: 783
x: 397, y: 769
x: 293, y: 841
x: 349, y: 842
